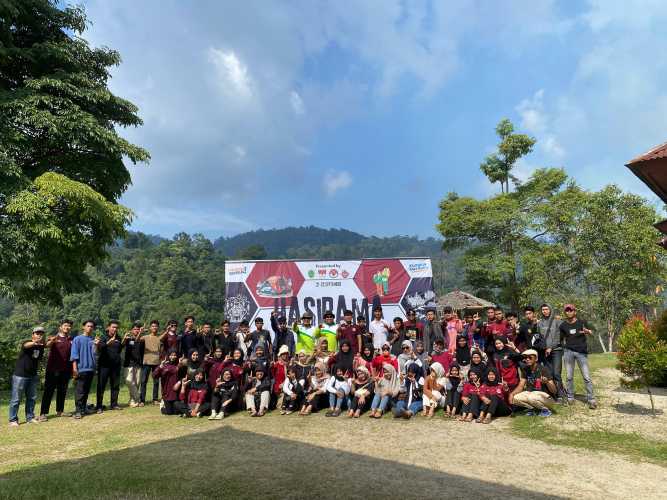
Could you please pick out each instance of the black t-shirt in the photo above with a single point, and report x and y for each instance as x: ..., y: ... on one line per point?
x: 134, y: 352
x: 534, y: 378
x: 109, y: 353
x: 572, y: 336
x: 28, y: 360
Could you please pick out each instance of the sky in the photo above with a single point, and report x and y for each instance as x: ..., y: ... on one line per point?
x: 365, y: 114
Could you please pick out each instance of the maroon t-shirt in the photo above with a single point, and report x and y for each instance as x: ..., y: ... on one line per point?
x: 349, y: 333
x: 59, y: 355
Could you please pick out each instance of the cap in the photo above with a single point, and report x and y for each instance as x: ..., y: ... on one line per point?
x: 307, y: 315
x: 283, y: 350
x: 327, y: 314
x: 38, y: 329
x: 529, y: 352
x: 569, y: 306
x: 406, y: 343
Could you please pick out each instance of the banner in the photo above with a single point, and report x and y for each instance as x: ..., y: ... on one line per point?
x: 256, y: 288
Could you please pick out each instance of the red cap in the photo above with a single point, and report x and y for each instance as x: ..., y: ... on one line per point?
x: 569, y: 306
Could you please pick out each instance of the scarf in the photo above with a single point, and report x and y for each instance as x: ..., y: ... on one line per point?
x: 463, y: 353
x: 344, y: 360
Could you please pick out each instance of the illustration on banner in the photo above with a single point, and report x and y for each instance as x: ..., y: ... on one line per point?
x: 275, y: 287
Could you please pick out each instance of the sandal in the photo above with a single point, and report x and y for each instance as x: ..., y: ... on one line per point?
x: 468, y: 418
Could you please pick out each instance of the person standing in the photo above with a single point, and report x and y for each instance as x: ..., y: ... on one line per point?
x: 350, y: 332
x: 25, y: 378
x: 58, y: 370
x: 549, y: 327
x: 170, y: 340
x: 109, y: 364
x: 305, y: 333
x: 189, y: 338
x: 329, y: 330
x: 283, y: 336
x: 151, y: 361
x: 413, y: 327
x: 453, y: 326
x: 134, y: 357
x: 573, y: 333
x: 379, y: 329
x: 432, y: 330
x: 260, y: 337
x: 206, y: 336
x: 225, y: 339
x: 83, y: 361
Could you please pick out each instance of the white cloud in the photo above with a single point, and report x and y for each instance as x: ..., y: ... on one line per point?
x: 297, y: 103
x: 535, y: 120
x: 232, y: 71
x: 336, y: 180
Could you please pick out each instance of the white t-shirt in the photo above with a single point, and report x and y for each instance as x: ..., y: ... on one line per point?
x: 379, y: 329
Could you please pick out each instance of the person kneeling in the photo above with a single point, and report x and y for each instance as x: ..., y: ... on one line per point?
x: 492, y: 396
x: 224, y: 395
x: 258, y: 392
x: 470, y: 398
x: 535, y: 387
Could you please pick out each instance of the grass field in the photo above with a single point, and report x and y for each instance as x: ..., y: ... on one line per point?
x: 137, y: 453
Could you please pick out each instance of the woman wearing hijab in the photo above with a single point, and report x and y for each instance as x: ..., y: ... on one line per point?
x: 462, y: 355
x: 506, y: 359
x: 386, y: 388
x: 225, y: 393
x: 343, y: 359
x: 193, y: 395
x: 258, y: 392
x: 454, y: 388
x: 470, y: 397
x: 493, y: 398
x: 434, y: 390
x: 365, y: 358
x: 302, y: 369
x: 235, y: 364
x: 317, y: 397
x: 477, y: 364
x: 321, y: 353
x: 338, y: 388
x: 411, y: 401
x: 361, y: 392
x: 167, y: 373
x: 407, y: 357
x: 192, y: 363
x: 213, y: 366
x: 421, y: 354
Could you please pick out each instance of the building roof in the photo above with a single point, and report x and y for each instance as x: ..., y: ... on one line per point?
x: 459, y: 301
x: 651, y: 168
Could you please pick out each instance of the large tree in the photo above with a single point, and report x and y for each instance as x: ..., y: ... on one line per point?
x: 62, y: 165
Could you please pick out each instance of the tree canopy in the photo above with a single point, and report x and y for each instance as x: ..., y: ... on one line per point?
x: 62, y: 159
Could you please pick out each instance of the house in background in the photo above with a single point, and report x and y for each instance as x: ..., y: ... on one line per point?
x: 651, y: 168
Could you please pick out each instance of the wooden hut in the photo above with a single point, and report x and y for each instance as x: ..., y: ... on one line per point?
x: 462, y: 302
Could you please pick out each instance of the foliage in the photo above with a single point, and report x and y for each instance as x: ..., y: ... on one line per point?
x: 252, y: 252
x: 642, y: 357
x: 498, y: 166
x: 61, y: 159
x: 659, y: 326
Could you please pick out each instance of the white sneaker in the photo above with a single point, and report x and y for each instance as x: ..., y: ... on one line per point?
x: 220, y: 416
x: 133, y: 404
x: 212, y: 417
x: 161, y: 404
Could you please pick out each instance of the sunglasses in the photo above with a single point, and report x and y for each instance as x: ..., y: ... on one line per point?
x: 405, y: 348
x: 385, y: 348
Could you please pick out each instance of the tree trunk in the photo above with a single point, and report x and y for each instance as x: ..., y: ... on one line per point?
x: 650, y: 395
x: 604, y: 347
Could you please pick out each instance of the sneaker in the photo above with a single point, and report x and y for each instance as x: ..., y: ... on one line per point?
x: 546, y: 412
x: 133, y: 404
x: 42, y: 418
x: 220, y: 416
x: 77, y: 416
x: 32, y: 421
x: 100, y: 410
x: 13, y: 423
x: 161, y: 404
x: 116, y: 408
x: 530, y: 413
x: 213, y: 415
x: 592, y: 405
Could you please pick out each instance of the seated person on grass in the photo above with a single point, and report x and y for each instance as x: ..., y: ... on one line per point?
x: 535, y: 388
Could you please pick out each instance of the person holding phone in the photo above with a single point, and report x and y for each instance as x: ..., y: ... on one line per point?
x: 134, y: 357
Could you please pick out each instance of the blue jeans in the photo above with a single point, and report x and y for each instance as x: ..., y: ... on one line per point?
x: 19, y: 386
x: 335, y: 401
x: 402, y: 405
x: 380, y: 402
x: 569, y: 358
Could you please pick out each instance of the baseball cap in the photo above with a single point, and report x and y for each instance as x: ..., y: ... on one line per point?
x: 529, y: 352
x: 570, y: 307
x: 38, y: 329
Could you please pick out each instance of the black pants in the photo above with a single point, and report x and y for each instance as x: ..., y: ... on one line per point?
x: 184, y: 408
x: 320, y: 401
x: 217, y: 401
x: 292, y: 404
x: 110, y: 374
x: 496, y: 408
x: 83, y: 382
x: 146, y: 371
x: 354, y: 406
x: 55, y: 382
x: 453, y: 400
x: 171, y: 408
x: 472, y: 406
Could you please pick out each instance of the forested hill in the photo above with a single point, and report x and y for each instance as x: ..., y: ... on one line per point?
x: 314, y: 242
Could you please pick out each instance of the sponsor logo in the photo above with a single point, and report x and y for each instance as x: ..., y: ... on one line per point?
x: 345, y: 274
x: 322, y: 272
x: 236, y: 270
x: 418, y: 267
x: 333, y: 273
x: 311, y: 273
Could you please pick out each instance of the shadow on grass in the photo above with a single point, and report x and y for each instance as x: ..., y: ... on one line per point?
x: 231, y: 463
x: 635, y: 409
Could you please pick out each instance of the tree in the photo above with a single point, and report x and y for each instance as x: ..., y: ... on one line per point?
x: 641, y: 356
x: 252, y: 252
x: 61, y: 158
x: 498, y: 166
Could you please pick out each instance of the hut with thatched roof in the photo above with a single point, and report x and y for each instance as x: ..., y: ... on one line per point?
x: 462, y: 302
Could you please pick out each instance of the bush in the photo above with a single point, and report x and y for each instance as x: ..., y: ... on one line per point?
x: 660, y: 326
x: 642, y: 356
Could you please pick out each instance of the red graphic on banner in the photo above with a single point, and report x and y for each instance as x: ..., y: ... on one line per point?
x: 386, y: 279
x: 269, y: 281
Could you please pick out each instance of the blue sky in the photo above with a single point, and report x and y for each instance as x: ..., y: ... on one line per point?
x: 365, y: 114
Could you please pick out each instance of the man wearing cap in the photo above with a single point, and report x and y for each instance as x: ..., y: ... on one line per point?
x: 535, y: 387
x: 283, y: 335
x: 306, y: 333
x: 25, y: 378
x: 58, y: 370
x: 329, y: 330
x: 573, y: 333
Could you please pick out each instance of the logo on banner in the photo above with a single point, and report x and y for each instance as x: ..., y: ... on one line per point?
x: 311, y: 273
x: 418, y: 267
x: 275, y: 287
x: 381, y: 280
x: 345, y: 274
x: 237, y: 308
x: 237, y: 270
x: 333, y: 273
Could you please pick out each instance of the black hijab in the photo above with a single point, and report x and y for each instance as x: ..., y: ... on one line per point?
x: 344, y: 360
x: 462, y: 353
x: 486, y: 377
x: 238, y: 362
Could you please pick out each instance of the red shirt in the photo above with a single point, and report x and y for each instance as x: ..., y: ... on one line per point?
x: 379, y: 360
x: 492, y: 390
x: 214, y: 367
x: 279, y: 374
x: 445, y: 358
x: 497, y: 329
x: 59, y: 355
x: 237, y: 371
x: 349, y: 333
x: 195, y: 396
x: 469, y: 389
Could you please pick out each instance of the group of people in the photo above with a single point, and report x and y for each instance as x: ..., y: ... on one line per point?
x: 472, y: 369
